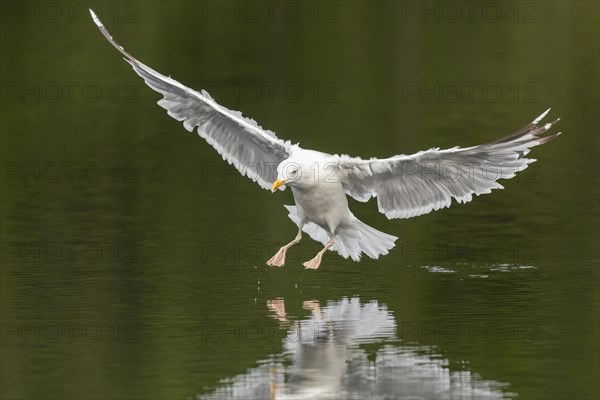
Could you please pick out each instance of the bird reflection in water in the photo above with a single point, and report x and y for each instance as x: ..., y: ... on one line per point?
x: 324, y: 358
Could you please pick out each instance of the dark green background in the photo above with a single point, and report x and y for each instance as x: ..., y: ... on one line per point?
x: 192, y: 236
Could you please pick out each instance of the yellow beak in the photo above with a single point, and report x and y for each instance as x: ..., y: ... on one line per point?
x: 277, y: 184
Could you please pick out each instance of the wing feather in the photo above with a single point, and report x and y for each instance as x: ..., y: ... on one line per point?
x: 410, y: 185
x: 254, y: 151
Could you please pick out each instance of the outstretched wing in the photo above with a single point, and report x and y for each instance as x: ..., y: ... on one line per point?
x: 408, y: 186
x: 254, y: 151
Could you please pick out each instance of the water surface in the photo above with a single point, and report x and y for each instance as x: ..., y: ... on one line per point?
x: 133, y: 259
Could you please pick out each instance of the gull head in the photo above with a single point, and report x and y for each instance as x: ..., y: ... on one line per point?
x: 305, y: 170
x: 289, y: 172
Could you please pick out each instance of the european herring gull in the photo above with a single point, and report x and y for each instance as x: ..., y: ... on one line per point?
x: 405, y: 185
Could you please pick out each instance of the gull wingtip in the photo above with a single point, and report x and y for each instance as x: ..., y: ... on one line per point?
x: 95, y: 18
x: 538, y: 119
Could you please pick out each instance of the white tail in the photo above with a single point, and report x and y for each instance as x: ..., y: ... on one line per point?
x: 350, y: 241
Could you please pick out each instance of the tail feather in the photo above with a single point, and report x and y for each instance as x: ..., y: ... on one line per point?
x: 350, y: 241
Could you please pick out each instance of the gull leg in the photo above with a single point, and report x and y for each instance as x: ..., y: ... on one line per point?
x: 315, y: 262
x: 314, y: 306
x: 279, y: 258
x: 273, y: 389
x: 277, y: 307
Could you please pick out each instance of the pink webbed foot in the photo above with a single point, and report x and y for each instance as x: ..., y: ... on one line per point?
x: 278, y: 260
x: 314, y: 263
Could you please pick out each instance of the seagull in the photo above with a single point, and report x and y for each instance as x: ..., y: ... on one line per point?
x: 405, y: 186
